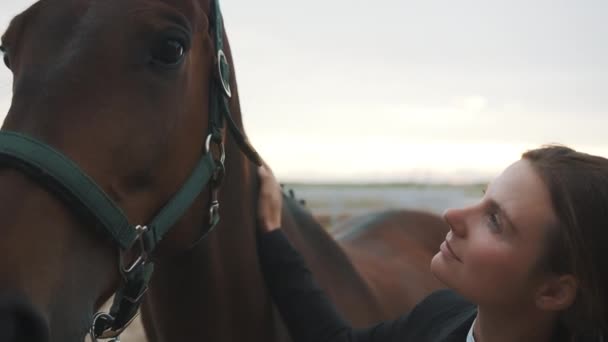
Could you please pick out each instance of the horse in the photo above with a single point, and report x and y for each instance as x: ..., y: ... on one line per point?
x: 16, y: 315
x: 397, y: 242
x: 374, y: 267
x: 119, y: 110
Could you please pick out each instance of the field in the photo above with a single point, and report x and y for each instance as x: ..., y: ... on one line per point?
x: 332, y: 203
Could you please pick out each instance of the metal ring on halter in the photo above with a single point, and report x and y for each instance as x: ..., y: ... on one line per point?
x: 107, y: 334
x: 214, y: 212
x: 143, y: 255
x: 221, y: 58
x: 220, y: 144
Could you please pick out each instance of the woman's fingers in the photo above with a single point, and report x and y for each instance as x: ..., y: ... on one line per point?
x: 269, y: 200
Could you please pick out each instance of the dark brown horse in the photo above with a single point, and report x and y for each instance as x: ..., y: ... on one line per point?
x: 121, y: 87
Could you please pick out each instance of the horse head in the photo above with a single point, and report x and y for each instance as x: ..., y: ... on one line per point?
x: 115, y: 135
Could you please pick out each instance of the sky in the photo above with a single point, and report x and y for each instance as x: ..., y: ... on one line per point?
x: 412, y: 90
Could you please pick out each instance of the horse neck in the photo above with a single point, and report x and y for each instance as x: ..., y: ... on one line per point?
x: 216, y: 291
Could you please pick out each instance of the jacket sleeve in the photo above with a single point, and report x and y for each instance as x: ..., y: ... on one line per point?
x: 307, y: 311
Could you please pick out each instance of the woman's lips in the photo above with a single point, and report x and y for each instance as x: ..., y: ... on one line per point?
x: 446, y: 249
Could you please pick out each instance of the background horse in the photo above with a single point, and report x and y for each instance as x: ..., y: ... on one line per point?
x: 122, y: 88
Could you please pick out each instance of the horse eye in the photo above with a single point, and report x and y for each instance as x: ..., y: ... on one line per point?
x: 170, y: 52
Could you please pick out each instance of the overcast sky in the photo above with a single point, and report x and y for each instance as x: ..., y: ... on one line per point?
x: 412, y: 90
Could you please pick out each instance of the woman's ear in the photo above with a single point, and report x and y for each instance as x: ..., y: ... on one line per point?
x: 557, y: 293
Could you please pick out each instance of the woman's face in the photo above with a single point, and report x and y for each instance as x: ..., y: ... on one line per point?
x: 492, y: 251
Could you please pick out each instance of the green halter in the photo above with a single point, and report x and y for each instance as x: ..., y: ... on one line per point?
x: 56, y: 171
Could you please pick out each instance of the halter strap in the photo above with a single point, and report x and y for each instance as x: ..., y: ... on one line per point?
x: 222, y: 102
x: 49, y: 166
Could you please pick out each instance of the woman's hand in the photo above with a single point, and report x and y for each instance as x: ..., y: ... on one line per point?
x: 270, y: 201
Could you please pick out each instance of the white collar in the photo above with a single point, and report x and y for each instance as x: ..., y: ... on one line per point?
x: 470, y: 337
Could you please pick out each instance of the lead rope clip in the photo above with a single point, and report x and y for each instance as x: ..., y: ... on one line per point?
x: 105, y: 333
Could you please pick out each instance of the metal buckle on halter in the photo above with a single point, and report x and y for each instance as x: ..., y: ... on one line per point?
x: 110, y: 335
x: 103, y: 323
x: 220, y: 144
x: 142, y: 257
x: 221, y: 62
x: 218, y: 173
x: 214, y: 212
x: 138, y: 298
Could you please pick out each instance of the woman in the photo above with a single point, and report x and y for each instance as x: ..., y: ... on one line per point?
x: 526, y: 263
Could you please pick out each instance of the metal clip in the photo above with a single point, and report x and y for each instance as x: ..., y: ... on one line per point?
x: 137, y: 299
x: 143, y: 254
x: 106, y: 334
x: 214, y: 211
x: 220, y: 144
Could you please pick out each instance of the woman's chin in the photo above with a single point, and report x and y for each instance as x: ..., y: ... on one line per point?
x: 439, y: 268
x: 447, y: 273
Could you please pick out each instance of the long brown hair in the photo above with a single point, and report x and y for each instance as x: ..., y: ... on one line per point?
x: 578, y: 184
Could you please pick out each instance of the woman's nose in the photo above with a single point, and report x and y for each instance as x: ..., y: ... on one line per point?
x: 455, y: 218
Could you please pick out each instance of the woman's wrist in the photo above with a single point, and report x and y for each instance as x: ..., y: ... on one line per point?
x: 269, y: 227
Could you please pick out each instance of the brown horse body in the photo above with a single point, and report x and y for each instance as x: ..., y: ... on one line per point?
x: 392, y: 250
x: 374, y: 267
x: 377, y: 270
x: 91, y: 79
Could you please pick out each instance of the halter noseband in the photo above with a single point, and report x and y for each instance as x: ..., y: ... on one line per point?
x: 56, y: 171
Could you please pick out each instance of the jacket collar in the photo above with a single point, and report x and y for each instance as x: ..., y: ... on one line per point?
x: 458, y: 328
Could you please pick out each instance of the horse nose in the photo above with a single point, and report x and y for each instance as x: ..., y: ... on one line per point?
x: 20, y: 322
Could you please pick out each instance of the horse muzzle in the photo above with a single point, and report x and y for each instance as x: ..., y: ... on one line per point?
x: 20, y: 321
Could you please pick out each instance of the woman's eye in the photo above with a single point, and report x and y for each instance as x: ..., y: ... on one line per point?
x: 494, y: 221
x: 169, y: 53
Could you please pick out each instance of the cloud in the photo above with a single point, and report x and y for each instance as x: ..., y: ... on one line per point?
x: 471, y: 103
x: 358, y: 79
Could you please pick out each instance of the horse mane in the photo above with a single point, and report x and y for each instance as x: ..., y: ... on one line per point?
x: 333, y: 269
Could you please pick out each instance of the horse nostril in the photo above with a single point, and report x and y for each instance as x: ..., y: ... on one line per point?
x: 19, y: 321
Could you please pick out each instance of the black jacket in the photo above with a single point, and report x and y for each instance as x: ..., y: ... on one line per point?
x: 310, y: 316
